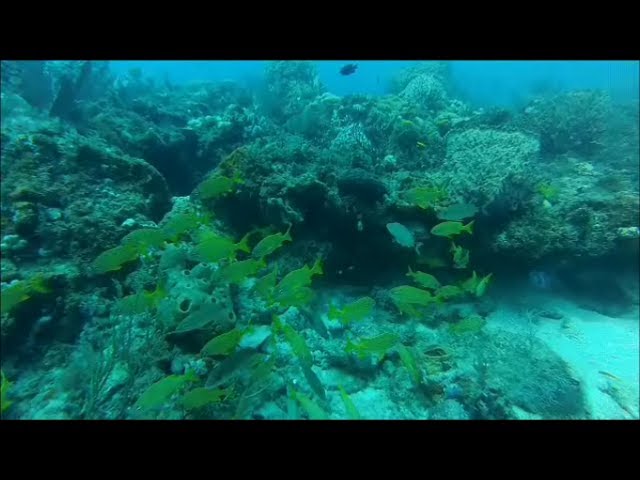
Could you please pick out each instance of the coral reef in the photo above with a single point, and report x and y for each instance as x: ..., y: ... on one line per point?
x: 218, y: 251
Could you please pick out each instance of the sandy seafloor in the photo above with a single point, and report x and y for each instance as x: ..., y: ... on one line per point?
x: 601, y: 351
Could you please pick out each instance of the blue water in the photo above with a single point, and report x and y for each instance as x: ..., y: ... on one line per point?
x: 483, y: 83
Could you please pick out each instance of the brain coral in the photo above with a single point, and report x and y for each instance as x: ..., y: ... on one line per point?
x: 480, y: 164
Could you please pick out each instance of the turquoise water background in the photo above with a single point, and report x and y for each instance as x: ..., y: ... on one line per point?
x: 484, y: 83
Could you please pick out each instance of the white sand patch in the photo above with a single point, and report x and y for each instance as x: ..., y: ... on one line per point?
x: 375, y: 404
x: 597, y: 346
x: 602, y: 351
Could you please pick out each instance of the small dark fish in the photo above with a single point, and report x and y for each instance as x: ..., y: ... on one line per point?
x: 230, y: 367
x: 541, y: 280
x: 607, y: 374
x: 314, y: 382
x: 349, y: 69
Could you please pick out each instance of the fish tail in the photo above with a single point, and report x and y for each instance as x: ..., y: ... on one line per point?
x: 277, y: 324
x: 243, y: 244
x: 39, y: 284
x: 317, y: 267
x: 334, y: 312
x: 160, y: 291
x: 469, y: 227
x: 287, y: 234
x: 351, y: 347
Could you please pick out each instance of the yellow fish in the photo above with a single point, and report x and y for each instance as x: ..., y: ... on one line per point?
x: 449, y: 229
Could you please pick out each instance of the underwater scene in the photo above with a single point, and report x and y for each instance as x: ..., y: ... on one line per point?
x: 319, y: 240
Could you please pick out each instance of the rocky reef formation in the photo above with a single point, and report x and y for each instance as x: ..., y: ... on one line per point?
x: 214, y: 251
